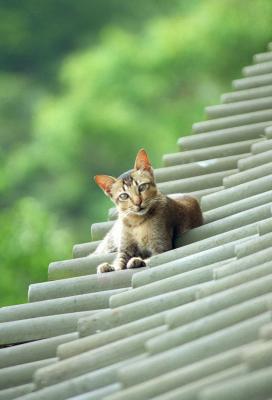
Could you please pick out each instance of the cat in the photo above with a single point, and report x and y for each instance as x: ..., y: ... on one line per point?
x: 148, y: 221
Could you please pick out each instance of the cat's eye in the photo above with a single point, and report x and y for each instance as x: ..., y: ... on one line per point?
x: 143, y: 187
x: 123, y: 196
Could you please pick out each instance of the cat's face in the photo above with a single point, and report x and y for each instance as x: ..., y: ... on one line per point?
x: 133, y: 192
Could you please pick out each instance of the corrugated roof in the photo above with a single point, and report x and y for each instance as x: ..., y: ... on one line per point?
x: 196, y: 322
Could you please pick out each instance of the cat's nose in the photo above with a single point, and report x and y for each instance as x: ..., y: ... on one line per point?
x: 137, y: 201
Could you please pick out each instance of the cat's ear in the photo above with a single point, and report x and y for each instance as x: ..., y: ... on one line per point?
x: 142, y: 161
x: 105, y: 182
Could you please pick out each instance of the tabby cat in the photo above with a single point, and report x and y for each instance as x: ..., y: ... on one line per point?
x: 148, y: 221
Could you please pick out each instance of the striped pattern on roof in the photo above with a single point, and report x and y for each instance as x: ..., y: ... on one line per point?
x: 196, y: 323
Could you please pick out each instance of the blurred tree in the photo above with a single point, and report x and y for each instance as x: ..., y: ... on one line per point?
x: 35, y: 34
x: 29, y: 236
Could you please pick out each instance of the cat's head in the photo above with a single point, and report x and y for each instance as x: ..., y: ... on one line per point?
x: 134, y: 192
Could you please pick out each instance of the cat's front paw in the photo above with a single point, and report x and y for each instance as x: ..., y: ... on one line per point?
x: 136, y: 262
x: 104, y: 267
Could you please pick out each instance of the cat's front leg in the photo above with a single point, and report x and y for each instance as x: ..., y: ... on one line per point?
x: 123, y: 258
x: 104, y: 267
x: 136, y: 262
x: 126, y: 258
x: 119, y: 263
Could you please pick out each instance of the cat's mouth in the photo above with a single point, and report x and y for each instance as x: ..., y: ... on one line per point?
x: 141, y: 210
x: 136, y: 211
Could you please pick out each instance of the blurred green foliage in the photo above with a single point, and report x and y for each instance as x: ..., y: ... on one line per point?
x: 84, y: 85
